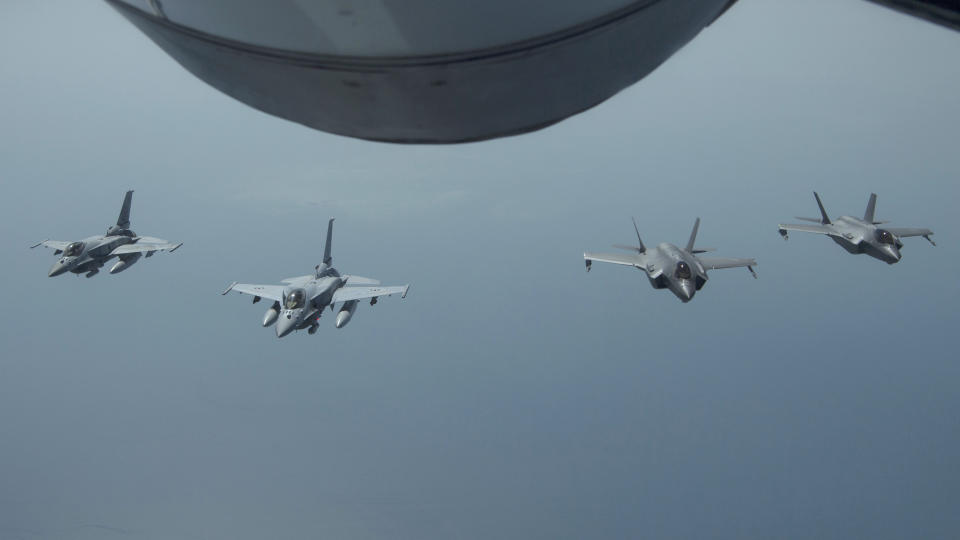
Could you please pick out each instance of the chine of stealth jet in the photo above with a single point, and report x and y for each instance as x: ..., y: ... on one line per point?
x: 299, y: 302
x: 681, y: 270
x: 90, y: 254
x: 860, y: 235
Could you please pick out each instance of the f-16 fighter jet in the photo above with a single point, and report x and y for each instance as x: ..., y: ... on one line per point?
x: 858, y: 235
x: 300, y: 301
x: 682, y: 270
x: 87, y: 256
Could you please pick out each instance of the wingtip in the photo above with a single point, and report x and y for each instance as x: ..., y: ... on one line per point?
x: 176, y: 247
x: 406, y: 289
x: 230, y: 288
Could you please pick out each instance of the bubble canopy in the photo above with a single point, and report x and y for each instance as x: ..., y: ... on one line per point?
x: 421, y: 71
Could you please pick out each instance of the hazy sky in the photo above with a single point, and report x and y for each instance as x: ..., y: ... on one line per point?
x: 510, y: 395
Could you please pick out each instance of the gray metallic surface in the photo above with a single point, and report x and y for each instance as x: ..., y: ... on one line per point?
x: 680, y: 270
x: 456, y: 96
x: 93, y: 252
x: 300, y: 301
x: 860, y: 235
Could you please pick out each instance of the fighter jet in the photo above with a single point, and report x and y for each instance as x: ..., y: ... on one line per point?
x: 299, y: 302
x: 682, y: 270
x: 858, y: 235
x: 90, y: 254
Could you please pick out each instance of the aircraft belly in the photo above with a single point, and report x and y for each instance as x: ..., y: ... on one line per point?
x: 452, y: 97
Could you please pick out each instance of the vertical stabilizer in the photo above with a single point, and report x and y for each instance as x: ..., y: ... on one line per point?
x: 641, y: 247
x: 327, y: 259
x: 871, y: 208
x: 693, y: 235
x: 124, y: 220
x: 824, y: 219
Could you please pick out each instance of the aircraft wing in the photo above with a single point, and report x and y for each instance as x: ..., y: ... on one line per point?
x: 52, y: 244
x: 273, y: 292
x: 297, y: 280
x: 359, y: 280
x: 628, y: 259
x: 819, y: 229
x: 345, y: 294
x: 716, y: 263
x: 904, y: 232
x: 146, y: 244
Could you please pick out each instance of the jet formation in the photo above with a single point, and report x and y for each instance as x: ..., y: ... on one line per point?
x: 299, y: 301
x: 683, y: 271
x: 859, y: 235
x: 87, y: 256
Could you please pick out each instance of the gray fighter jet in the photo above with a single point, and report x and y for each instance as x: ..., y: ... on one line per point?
x: 858, y: 235
x: 299, y: 302
x: 682, y: 270
x: 90, y: 254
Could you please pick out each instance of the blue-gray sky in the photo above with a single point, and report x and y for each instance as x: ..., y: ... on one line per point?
x: 510, y: 395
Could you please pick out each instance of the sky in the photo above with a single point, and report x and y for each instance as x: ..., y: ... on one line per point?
x: 510, y: 395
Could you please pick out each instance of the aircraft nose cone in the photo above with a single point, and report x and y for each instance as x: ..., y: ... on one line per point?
x: 286, y: 324
x: 893, y: 254
x: 687, y: 290
x: 57, y: 269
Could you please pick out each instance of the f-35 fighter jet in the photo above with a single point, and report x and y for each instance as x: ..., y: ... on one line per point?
x: 682, y: 270
x: 90, y: 254
x: 299, y: 302
x: 858, y: 235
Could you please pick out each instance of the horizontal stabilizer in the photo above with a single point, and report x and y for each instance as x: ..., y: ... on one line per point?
x: 703, y: 250
x: 810, y: 219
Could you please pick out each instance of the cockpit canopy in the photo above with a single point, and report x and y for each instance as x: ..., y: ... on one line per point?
x: 683, y: 271
x: 73, y: 249
x: 295, y: 299
x: 885, y: 237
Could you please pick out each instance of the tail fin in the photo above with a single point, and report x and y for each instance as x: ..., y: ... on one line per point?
x: 641, y: 247
x: 327, y: 259
x: 825, y: 218
x: 124, y: 220
x: 871, y: 208
x: 693, y: 235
